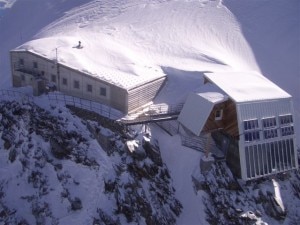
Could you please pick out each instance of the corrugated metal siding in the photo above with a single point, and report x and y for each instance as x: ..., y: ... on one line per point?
x: 259, y: 110
x: 264, y: 109
x: 144, y: 94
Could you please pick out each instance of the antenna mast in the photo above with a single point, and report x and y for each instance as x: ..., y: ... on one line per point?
x: 57, y: 69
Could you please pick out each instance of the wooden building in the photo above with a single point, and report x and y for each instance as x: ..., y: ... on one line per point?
x: 251, y: 119
x: 123, y: 91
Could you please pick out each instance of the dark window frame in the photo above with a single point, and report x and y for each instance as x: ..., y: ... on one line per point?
x: 103, y: 91
x: 64, y: 81
x: 285, y: 119
x: 287, y: 131
x: 89, y: 88
x: 21, y: 62
x: 250, y: 124
x: 53, y: 78
x: 219, y: 114
x: 76, y: 84
x: 253, y: 135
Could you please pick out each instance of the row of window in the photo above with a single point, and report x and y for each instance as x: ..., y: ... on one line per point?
x: 271, y: 157
x: 269, y: 128
x: 254, y: 135
x: 76, y: 85
x: 268, y: 122
x: 22, y: 63
x: 251, y: 124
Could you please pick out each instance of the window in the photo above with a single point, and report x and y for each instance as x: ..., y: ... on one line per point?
x: 35, y: 65
x: 269, y: 122
x: 252, y: 136
x: 286, y: 125
x: 285, y: 119
x: 251, y: 124
x: 102, y: 91
x: 76, y: 84
x: 65, y: 81
x: 270, y: 127
x: 219, y: 114
x: 288, y: 130
x: 21, y: 62
x: 251, y: 129
x: 270, y: 133
x: 53, y: 78
x: 89, y: 88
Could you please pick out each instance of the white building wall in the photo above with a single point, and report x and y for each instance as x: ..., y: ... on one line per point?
x: 25, y: 73
x: 29, y: 68
x: 257, y: 148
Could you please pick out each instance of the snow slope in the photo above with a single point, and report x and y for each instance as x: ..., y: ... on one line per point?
x: 133, y: 36
x: 141, y: 37
x: 182, y: 37
x: 272, y: 30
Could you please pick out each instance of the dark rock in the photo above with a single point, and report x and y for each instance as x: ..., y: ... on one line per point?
x: 152, y: 153
x: 109, y: 186
x: 105, y: 219
x: 76, y: 204
x: 57, y: 148
x: 58, y: 166
x: 12, y: 155
x: 8, y: 137
x: 65, y: 193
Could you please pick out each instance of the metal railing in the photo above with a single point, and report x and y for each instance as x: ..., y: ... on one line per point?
x: 165, y: 109
x: 154, y: 113
x: 93, y: 106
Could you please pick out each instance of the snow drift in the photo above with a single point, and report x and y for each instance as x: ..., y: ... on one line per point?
x: 140, y: 36
x: 184, y: 37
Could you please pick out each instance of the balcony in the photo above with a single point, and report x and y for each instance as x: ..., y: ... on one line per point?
x: 33, y: 71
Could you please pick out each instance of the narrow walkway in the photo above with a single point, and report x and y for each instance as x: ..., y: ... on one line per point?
x: 142, y: 119
x: 155, y: 113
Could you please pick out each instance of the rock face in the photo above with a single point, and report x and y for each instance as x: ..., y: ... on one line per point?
x: 229, y: 201
x: 49, y: 148
x: 76, y: 204
x: 156, y: 204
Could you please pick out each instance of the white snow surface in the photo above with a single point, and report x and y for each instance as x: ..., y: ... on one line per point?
x: 247, y: 86
x: 127, y: 42
x: 184, y: 38
x: 139, y: 38
x: 214, y: 97
x: 4, y: 4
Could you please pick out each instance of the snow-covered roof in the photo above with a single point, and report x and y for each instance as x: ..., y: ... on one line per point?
x: 213, y: 97
x: 197, y: 109
x: 246, y: 86
x: 89, y: 60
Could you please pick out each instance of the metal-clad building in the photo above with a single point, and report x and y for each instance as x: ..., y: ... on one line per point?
x: 267, y: 143
x: 122, y: 91
x: 259, y: 117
